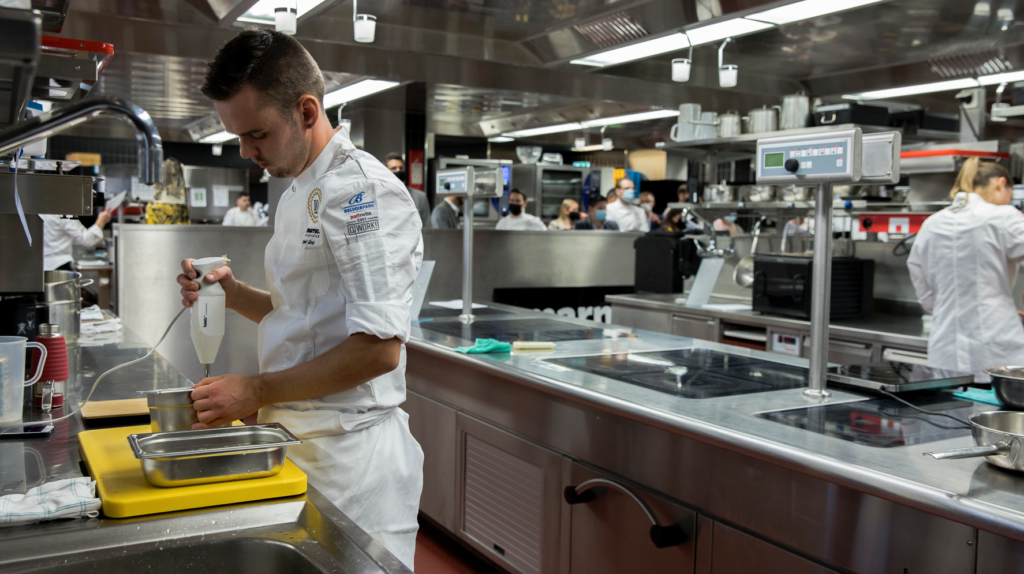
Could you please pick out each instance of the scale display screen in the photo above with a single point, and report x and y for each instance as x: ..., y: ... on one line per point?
x: 774, y: 159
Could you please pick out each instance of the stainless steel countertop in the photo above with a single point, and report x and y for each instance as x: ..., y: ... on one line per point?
x: 308, y: 522
x: 906, y: 332
x: 968, y: 491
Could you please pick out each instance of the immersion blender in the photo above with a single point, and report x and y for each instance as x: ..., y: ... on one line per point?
x: 208, y: 311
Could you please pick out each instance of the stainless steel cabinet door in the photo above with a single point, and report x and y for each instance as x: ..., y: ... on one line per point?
x: 612, y: 534
x: 737, y: 553
x: 510, y: 497
x: 695, y: 327
x: 846, y: 353
x: 433, y: 426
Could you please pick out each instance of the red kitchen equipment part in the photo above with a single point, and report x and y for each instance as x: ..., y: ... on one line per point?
x: 955, y: 152
x: 49, y: 390
x: 69, y: 68
x: 897, y: 223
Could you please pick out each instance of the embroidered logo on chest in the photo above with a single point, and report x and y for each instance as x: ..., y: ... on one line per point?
x: 313, y: 202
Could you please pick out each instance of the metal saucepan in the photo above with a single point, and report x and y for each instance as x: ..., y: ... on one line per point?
x: 998, y: 436
x: 1008, y: 383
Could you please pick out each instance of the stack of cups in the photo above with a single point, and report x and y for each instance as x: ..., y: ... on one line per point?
x: 49, y: 390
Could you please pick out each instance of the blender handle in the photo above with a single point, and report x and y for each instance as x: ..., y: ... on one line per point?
x: 42, y: 362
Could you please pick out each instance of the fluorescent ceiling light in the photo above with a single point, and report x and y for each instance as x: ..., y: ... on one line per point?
x: 912, y: 90
x: 1000, y: 78
x: 219, y: 137
x: 543, y: 131
x: 807, y: 9
x: 262, y: 12
x: 641, y: 117
x: 595, y: 147
x: 356, y: 91
x: 646, y: 49
x: 726, y: 29
x: 501, y: 139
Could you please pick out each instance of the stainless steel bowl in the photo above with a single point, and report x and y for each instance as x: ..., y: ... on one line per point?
x: 171, y: 410
x: 1008, y: 382
x: 997, y: 436
x: 171, y: 459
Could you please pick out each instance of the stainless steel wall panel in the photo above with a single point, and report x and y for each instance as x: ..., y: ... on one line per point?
x: 998, y: 555
x: 21, y: 264
x: 739, y: 553
x: 433, y: 426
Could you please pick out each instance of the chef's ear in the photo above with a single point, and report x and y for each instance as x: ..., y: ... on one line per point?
x: 310, y: 110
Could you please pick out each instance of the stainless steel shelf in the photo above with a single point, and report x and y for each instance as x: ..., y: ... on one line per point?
x: 45, y: 193
x: 748, y: 142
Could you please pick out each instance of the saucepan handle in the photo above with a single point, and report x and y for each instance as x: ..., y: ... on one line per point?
x: 999, y: 449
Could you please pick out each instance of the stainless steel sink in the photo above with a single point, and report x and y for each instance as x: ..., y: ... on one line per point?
x: 299, y: 535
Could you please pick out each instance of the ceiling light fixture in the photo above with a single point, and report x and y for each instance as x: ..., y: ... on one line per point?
x: 262, y: 12
x: 364, y: 25
x: 356, y: 91
x: 501, y: 139
x: 1001, y: 78
x: 595, y: 147
x: 807, y: 9
x: 637, y: 51
x: 681, y: 67
x: 728, y: 74
x: 219, y: 137
x: 914, y: 90
x: 602, y: 122
x: 544, y: 130
x: 286, y: 17
x: 727, y: 29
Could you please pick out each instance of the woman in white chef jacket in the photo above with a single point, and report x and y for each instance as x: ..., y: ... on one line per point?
x: 964, y: 264
x: 340, y: 268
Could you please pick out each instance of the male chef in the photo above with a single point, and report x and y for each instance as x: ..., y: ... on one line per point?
x: 340, y: 267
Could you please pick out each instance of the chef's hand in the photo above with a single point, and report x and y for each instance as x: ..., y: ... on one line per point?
x: 189, y: 286
x: 102, y: 219
x: 223, y: 399
x: 1021, y: 315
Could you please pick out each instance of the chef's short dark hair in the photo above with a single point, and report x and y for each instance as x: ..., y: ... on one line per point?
x: 394, y: 155
x: 523, y: 195
x: 595, y: 198
x: 243, y: 194
x: 274, y: 64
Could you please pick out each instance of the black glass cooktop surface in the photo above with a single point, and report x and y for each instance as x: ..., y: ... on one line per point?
x: 519, y: 330
x: 884, y: 422
x: 692, y: 373
x: 430, y: 312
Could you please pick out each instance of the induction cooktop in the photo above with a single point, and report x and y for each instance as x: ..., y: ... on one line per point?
x: 521, y: 330
x: 691, y: 373
x: 884, y: 422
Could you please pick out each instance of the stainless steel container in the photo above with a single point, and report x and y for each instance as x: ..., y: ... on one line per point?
x: 68, y: 315
x: 721, y: 192
x: 707, y: 128
x: 1008, y: 383
x: 765, y: 119
x: 795, y: 193
x: 729, y: 124
x: 796, y: 111
x: 998, y: 436
x: 62, y: 294
x: 687, y: 127
x: 171, y: 410
x: 759, y: 192
x: 172, y: 459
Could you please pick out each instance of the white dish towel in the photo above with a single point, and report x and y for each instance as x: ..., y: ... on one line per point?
x: 71, y: 498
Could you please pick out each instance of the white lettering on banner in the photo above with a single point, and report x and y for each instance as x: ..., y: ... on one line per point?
x: 601, y: 314
x: 899, y: 225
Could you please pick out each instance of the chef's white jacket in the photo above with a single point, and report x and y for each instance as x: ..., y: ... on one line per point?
x: 525, y: 222
x: 963, y: 265
x: 238, y: 218
x: 59, y: 234
x: 345, y: 253
x: 629, y: 217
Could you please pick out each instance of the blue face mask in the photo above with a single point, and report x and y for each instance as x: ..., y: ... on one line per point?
x: 601, y: 215
x: 629, y: 195
x: 731, y: 218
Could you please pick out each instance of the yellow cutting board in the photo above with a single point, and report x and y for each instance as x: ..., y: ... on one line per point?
x: 117, y: 408
x: 124, y: 492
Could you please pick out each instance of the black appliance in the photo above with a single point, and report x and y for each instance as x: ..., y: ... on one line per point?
x: 21, y: 316
x: 925, y: 120
x: 782, y: 286
x: 850, y: 113
x: 663, y: 260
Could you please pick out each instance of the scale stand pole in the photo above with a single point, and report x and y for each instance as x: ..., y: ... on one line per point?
x: 821, y: 290
x: 467, y: 257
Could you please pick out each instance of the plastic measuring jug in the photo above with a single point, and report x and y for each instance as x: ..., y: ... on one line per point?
x: 12, y: 376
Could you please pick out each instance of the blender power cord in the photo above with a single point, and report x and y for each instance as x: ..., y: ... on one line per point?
x: 100, y: 378
x: 929, y: 413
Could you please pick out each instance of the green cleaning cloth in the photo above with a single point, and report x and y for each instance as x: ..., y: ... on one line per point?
x: 979, y: 396
x: 486, y: 346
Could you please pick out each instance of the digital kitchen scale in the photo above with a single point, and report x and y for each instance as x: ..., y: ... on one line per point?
x: 894, y: 377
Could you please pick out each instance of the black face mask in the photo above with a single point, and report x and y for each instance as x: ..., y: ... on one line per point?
x: 574, y: 216
x: 515, y: 209
x: 401, y: 175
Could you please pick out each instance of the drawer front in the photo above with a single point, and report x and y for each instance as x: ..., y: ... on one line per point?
x: 695, y: 327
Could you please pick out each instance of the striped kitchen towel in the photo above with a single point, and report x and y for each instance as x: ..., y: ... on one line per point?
x: 71, y: 498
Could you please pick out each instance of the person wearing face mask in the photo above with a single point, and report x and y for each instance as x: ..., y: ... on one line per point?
x: 518, y: 219
x: 647, y: 204
x: 568, y: 215
x: 963, y: 265
x: 728, y: 224
x: 446, y: 213
x: 597, y: 212
x: 622, y: 211
x: 396, y: 165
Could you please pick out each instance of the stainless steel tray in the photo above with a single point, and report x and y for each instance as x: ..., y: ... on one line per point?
x: 185, y: 458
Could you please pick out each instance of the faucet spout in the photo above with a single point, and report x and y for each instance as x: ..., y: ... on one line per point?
x: 151, y: 153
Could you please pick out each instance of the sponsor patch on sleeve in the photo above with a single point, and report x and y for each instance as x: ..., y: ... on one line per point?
x: 360, y: 212
x: 312, y: 236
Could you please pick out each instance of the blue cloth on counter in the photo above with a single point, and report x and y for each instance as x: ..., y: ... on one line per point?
x: 979, y: 396
x: 486, y: 346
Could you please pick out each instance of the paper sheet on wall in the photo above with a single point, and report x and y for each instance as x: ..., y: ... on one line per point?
x: 704, y: 283
x: 197, y: 196
x: 419, y: 288
x: 220, y: 195
x: 141, y: 191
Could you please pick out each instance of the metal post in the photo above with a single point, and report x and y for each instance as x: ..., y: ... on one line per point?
x: 821, y: 290
x: 467, y: 255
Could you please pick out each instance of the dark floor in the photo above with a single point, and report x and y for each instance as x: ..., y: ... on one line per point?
x: 438, y: 553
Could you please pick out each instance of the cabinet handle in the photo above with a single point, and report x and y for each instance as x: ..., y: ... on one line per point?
x: 661, y: 536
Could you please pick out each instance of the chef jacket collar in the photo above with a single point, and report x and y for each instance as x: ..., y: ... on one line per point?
x: 339, y: 141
